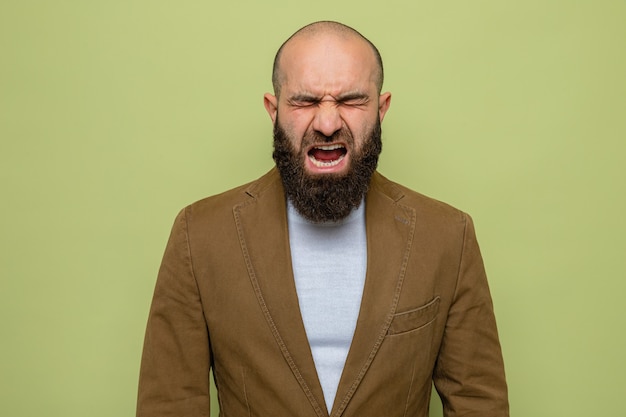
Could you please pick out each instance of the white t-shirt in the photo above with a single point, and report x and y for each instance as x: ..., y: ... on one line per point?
x: 329, y: 263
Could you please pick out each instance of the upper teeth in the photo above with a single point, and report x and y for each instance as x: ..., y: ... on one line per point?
x: 329, y: 147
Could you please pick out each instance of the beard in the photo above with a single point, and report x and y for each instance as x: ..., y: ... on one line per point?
x: 326, y: 197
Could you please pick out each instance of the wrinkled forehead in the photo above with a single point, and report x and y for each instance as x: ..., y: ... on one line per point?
x: 327, y: 60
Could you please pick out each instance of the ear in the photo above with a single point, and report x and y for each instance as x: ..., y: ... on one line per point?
x: 271, y: 105
x: 383, y: 104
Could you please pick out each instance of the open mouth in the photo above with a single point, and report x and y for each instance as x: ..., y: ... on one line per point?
x: 324, y: 156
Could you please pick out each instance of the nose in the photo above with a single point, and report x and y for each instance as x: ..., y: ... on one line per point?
x: 327, y: 120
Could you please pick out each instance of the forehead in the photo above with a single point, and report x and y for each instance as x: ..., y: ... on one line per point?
x: 327, y: 64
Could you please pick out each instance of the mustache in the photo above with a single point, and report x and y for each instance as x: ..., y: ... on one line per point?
x: 315, y: 137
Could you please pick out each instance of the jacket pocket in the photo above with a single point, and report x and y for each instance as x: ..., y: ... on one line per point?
x: 414, y: 319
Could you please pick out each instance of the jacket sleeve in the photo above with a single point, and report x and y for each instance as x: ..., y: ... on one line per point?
x: 469, y: 373
x: 174, y: 375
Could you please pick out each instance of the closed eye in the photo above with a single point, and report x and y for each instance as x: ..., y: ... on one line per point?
x: 354, y: 102
x: 303, y: 103
x: 353, y: 99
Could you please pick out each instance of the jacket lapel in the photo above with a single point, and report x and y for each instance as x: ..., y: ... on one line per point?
x: 263, y: 235
x: 262, y: 227
x: 390, y: 227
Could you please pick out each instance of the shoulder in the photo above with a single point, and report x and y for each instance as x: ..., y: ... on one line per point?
x: 424, y: 206
x: 223, y: 204
x: 211, y: 222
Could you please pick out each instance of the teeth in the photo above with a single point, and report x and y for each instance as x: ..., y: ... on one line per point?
x: 329, y: 147
x: 325, y: 164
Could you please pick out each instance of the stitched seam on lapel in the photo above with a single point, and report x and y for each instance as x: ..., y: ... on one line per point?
x: 408, y: 394
x: 268, y: 316
x: 394, y: 304
x: 245, y: 392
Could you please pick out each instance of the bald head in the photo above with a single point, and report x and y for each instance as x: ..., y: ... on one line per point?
x: 326, y: 30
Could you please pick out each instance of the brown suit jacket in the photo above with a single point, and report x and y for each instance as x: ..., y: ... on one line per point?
x: 225, y: 298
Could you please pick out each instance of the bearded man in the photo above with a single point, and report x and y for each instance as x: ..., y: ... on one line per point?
x: 322, y: 288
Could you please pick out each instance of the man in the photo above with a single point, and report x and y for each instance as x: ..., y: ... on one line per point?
x: 322, y: 288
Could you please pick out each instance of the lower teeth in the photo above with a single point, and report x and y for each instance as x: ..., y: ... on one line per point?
x: 325, y: 164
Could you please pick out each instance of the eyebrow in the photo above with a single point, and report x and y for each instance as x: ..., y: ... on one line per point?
x: 311, y: 98
x: 352, y: 95
x: 304, y: 97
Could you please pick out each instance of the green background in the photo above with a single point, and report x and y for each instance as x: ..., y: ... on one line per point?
x: 115, y: 114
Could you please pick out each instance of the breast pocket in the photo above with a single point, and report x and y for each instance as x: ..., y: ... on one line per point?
x: 408, y: 321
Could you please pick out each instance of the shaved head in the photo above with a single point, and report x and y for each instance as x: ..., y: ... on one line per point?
x: 315, y: 31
